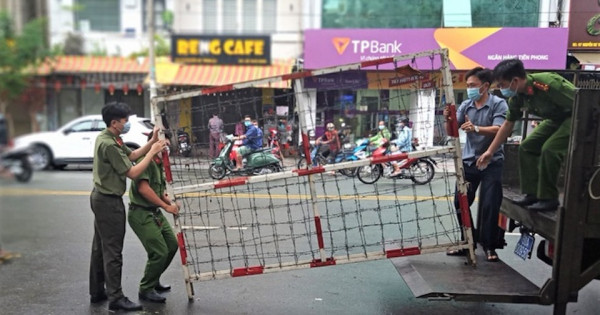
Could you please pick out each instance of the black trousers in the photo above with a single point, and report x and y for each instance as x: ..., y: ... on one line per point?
x: 107, y: 246
x: 487, y: 232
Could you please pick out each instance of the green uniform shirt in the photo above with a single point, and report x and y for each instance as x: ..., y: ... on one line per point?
x: 110, y: 164
x: 155, y: 176
x: 547, y: 95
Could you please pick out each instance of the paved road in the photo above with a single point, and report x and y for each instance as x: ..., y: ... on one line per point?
x: 49, y: 222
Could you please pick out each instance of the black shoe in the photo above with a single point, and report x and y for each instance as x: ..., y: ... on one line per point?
x: 526, y: 200
x: 162, y: 288
x: 152, y: 296
x: 98, y: 298
x: 124, y: 304
x: 544, y: 205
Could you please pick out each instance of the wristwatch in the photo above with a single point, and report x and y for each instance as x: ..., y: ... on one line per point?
x: 476, y: 129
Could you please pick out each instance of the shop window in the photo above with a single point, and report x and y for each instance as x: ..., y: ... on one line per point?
x: 269, y: 16
x: 249, y: 18
x: 209, y: 16
x: 230, y: 16
x: 94, y: 15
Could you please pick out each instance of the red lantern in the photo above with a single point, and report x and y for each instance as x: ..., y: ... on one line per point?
x: 140, y: 89
x: 82, y: 83
x: 111, y: 89
x: 125, y: 88
x: 97, y: 87
x: 57, y: 86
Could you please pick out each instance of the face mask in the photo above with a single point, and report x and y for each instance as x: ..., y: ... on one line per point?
x: 508, y: 93
x: 126, y: 128
x: 381, y: 127
x: 473, y: 94
x: 247, y: 123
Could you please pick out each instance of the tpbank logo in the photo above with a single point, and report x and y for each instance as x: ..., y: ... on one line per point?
x: 340, y: 44
x: 366, y: 46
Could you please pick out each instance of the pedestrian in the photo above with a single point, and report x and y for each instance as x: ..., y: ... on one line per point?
x: 215, y: 127
x: 112, y: 165
x: 480, y: 117
x: 252, y: 141
x: 147, y: 194
x: 239, y: 128
x: 550, y: 97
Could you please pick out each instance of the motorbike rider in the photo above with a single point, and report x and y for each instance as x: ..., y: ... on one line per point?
x: 252, y: 141
x: 403, y: 142
x: 331, y: 138
x: 383, y: 134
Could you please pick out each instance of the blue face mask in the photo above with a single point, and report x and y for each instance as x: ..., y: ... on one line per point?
x: 247, y: 123
x: 381, y: 127
x: 473, y: 94
x: 126, y: 128
x: 508, y: 92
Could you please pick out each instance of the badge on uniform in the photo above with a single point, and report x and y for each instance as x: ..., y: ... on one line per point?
x: 541, y: 86
x: 156, y: 160
x: 119, y: 141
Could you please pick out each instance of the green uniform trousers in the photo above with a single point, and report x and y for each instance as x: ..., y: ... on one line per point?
x: 540, y: 158
x: 157, y: 237
x: 107, y: 247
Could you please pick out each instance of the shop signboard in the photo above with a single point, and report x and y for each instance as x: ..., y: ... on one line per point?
x: 538, y: 48
x: 221, y: 50
x: 584, y: 26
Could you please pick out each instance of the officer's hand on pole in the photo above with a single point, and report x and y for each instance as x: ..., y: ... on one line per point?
x: 173, y: 208
x: 158, y: 147
x: 155, y: 134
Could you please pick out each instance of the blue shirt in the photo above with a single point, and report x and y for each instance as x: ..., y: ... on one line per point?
x: 492, y: 113
x: 253, y: 138
x: 404, y: 140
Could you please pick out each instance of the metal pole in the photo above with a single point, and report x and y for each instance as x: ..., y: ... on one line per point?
x: 151, y: 57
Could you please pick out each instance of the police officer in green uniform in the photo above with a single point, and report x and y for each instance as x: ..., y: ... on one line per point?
x: 112, y: 165
x: 549, y: 96
x: 147, y: 193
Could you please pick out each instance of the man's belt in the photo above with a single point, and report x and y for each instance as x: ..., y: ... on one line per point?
x: 147, y: 208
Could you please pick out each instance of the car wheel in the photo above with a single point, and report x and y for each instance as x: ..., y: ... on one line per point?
x: 40, y: 157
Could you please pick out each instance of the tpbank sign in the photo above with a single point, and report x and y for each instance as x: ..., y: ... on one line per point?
x: 221, y: 50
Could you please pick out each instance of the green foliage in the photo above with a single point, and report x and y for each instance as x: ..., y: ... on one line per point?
x: 161, y: 48
x: 20, y: 54
x: 425, y: 13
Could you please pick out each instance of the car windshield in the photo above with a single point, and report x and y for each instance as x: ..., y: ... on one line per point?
x: 147, y: 123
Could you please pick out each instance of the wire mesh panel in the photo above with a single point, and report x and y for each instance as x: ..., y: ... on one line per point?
x: 334, y: 179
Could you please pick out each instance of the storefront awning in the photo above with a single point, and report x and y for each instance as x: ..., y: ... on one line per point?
x: 92, y: 64
x: 588, y: 60
x: 209, y: 75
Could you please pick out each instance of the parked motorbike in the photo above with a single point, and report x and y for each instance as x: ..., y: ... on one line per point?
x: 17, y: 163
x: 419, y: 170
x: 262, y: 161
x: 183, y: 142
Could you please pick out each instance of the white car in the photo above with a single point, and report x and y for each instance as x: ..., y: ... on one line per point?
x: 73, y: 143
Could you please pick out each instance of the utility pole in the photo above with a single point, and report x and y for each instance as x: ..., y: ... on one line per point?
x: 151, y: 57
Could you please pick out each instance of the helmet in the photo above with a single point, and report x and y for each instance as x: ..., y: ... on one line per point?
x: 330, y: 126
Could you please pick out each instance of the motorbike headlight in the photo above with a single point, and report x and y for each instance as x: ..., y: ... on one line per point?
x: 347, y: 145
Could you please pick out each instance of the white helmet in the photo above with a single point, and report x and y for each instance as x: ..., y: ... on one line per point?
x: 330, y: 126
